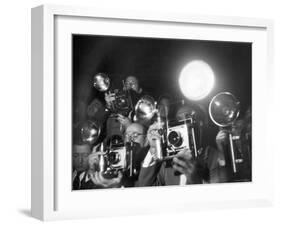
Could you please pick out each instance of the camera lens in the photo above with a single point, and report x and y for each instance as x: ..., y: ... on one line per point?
x: 116, y: 141
x: 175, y: 138
x: 121, y: 101
x: 113, y: 157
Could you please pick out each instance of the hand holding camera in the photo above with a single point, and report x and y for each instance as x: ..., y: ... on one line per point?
x: 94, y: 162
x: 124, y: 121
x: 184, y: 163
x: 96, y: 171
x: 154, y: 133
x: 109, y: 99
x: 221, y: 136
x: 221, y: 139
x: 100, y: 180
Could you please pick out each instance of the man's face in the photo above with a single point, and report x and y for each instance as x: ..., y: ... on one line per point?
x: 132, y: 83
x: 135, y: 133
x: 184, y: 112
x: 237, y: 127
x: 94, y: 107
x: 80, y: 157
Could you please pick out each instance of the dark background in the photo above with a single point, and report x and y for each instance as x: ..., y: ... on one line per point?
x: 157, y: 64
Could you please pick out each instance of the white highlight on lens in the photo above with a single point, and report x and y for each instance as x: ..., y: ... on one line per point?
x: 196, y: 80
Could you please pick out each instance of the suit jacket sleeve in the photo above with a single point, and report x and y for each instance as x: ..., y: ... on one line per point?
x: 150, y: 176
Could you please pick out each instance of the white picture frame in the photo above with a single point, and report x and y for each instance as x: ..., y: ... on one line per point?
x: 52, y: 197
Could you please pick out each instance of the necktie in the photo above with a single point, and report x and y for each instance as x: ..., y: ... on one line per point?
x: 76, y: 182
x: 83, y: 182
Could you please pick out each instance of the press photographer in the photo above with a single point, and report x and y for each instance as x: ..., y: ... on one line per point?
x: 131, y: 94
x: 179, y: 170
x: 177, y: 163
x: 80, y: 173
x: 122, y: 169
x: 234, y: 137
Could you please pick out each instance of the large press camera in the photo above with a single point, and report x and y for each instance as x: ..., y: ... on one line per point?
x: 181, y: 136
x: 121, y: 102
x: 224, y: 110
x: 118, y: 157
x: 177, y: 133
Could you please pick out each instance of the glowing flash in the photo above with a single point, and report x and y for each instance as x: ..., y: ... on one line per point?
x: 196, y: 80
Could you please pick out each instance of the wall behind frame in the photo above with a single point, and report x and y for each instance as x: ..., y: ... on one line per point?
x: 16, y: 105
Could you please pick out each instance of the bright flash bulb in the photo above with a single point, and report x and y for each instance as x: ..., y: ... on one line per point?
x: 196, y: 80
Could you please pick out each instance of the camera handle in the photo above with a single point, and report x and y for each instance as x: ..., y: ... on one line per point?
x: 232, y: 153
x: 193, y: 139
x: 128, y: 94
x: 101, y: 159
x: 111, y: 105
x: 131, y: 159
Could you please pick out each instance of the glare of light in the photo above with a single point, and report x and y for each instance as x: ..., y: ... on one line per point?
x: 196, y: 80
x: 217, y: 103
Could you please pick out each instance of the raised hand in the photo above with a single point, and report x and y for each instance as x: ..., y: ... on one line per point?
x: 184, y: 163
x: 98, y: 179
x: 109, y: 98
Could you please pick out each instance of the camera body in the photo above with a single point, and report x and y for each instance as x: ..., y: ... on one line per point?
x: 122, y: 103
x: 178, y: 136
x: 118, y: 158
x: 115, y: 160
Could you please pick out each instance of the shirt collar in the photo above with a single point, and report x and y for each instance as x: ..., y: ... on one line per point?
x: 81, y: 176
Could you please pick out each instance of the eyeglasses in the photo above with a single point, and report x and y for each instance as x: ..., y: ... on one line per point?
x: 133, y: 136
x: 154, y: 132
x: 81, y: 155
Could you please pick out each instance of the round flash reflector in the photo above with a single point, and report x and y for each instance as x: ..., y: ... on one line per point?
x: 196, y: 80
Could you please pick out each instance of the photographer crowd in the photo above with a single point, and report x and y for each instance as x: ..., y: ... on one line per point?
x: 128, y: 139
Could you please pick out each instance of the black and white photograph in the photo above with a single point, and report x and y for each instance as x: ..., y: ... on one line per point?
x: 160, y: 112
